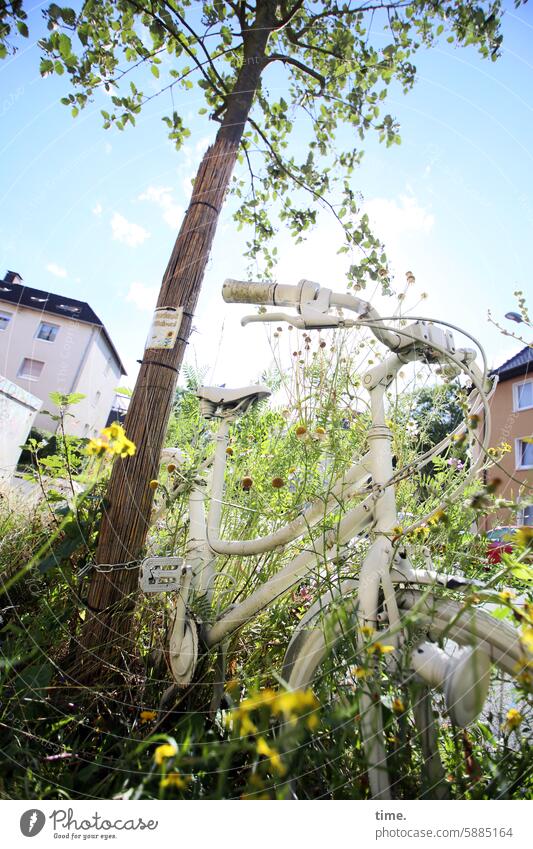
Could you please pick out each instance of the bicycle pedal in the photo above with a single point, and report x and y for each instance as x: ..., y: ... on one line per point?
x: 162, y: 574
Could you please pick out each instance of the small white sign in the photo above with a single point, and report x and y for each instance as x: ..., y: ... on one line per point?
x: 165, y: 328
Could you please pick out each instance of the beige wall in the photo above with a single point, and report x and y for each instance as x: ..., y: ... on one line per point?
x: 508, y: 425
x: 78, y: 360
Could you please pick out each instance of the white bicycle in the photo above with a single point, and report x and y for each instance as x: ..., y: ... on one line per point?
x: 438, y: 628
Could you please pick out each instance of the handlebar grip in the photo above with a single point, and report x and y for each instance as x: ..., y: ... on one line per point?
x: 241, y: 292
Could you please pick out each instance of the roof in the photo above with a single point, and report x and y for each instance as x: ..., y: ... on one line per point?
x: 521, y: 363
x: 37, y: 299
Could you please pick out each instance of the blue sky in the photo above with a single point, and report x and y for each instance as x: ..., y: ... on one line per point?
x: 94, y: 213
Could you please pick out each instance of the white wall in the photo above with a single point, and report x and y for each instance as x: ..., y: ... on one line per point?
x: 17, y: 413
x: 98, y: 379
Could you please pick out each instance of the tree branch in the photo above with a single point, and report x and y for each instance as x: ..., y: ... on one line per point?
x: 176, y: 35
x: 289, y: 60
x: 291, y: 175
x: 293, y: 39
x: 187, y: 26
x: 240, y: 12
x: 288, y: 16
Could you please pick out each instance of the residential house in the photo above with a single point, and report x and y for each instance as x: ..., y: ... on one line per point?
x: 512, y: 422
x: 54, y: 343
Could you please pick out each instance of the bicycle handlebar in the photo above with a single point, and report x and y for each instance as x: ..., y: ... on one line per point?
x: 312, y: 302
x: 268, y: 294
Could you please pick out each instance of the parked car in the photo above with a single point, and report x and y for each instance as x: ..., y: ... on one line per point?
x: 500, y: 540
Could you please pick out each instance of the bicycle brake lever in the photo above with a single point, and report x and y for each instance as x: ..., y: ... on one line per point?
x: 274, y: 316
x: 306, y: 323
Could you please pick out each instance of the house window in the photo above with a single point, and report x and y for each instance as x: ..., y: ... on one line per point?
x: 524, y: 454
x: 47, y: 332
x: 5, y: 318
x: 30, y: 369
x: 523, y: 395
x: 526, y: 516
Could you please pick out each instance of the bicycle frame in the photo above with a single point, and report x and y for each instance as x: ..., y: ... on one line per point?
x: 377, y: 511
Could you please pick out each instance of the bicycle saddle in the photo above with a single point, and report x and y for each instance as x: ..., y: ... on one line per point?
x: 222, y: 399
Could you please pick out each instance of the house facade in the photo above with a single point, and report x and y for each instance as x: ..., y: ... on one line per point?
x: 512, y: 422
x: 52, y: 343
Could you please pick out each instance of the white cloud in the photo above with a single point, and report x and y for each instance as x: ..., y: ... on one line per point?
x: 56, y: 270
x: 144, y: 297
x: 97, y: 209
x: 162, y: 197
x: 202, y: 144
x: 127, y: 232
x: 391, y: 217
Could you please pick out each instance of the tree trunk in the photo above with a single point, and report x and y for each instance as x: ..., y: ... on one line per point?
x: 111, y: 598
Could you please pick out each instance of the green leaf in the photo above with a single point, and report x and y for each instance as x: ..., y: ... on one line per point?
x: 47, y: 66
x: 523, y: 572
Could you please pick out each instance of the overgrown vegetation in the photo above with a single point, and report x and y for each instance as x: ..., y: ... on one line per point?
x: 137, y: 739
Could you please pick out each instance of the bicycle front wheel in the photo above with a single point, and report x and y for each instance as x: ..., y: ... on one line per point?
x: 326, y: 654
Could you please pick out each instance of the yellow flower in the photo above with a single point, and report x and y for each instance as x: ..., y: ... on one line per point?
x: 264, y: 697
x: 438, y: 516
x: 268, y: 752
x: 247, y: 726
x: 174, y: 779
x: 163, y: 752
x: 153, y: 484
x: 148, y: 715
x: 380, y: 648
x: 96, y: 447
x: 513, y: 719
x: 523, y: 676
x: 506, y: 595
x: 526, y: 637
x: 114, y: 442
x: 367, y: 630
x: 359, y: 671
x: 295, y: 701
x: 128, y: 448
x: 114, y: 431
x: 312, y: 721
x: 524, y: 537
x: 398, y: 706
